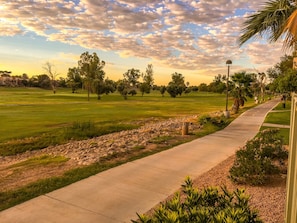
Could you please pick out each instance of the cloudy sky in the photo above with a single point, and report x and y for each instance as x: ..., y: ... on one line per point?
x: 191, y: 37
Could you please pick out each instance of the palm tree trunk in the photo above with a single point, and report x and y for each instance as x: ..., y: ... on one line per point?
x: 295, y: 57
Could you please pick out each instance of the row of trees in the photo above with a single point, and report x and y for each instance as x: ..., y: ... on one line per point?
x: 90, y: 75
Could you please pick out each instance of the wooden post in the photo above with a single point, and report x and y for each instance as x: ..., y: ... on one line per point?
x: 291, y: 205
x: 185, y: 128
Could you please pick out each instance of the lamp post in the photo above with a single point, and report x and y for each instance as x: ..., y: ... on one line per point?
x: 227, y: 113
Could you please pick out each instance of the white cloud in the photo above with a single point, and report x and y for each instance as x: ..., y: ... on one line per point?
x: 264, y: 55
x: 9, y: 28
x: 187, y: 34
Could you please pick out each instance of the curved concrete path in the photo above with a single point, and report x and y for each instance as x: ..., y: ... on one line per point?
x: 117, y: 194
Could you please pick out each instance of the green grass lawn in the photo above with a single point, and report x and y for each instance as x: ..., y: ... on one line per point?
x: 30, y: 116
x: 36, y: 112
x: 26, y: 112
x: 281, y: 116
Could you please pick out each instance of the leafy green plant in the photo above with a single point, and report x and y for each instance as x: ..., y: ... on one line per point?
x: 86, y: 130
x: 206, y: 206
x: 219, y: 121
x: 81, y: 130
x: 259, y: 158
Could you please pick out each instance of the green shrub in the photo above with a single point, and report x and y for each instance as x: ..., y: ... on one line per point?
x: 86, y: 130
x: 81, y: 130
x: 218, y: 121
x: 259, y: 158
x: 206, y: 206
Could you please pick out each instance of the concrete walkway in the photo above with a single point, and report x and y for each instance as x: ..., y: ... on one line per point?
x: 117, y: 194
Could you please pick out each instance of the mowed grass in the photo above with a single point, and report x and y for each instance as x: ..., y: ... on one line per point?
x: 281, y: 116
x: 26, y: 112
x: 35, y: 112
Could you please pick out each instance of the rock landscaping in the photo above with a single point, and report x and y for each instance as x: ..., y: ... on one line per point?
x: 88, y: 151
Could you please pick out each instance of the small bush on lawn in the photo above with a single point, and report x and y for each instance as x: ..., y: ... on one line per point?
x: 81, y: 130
x: 206, y: 206
x: 86, y: 130
x: 219, y: 121
x: 259, y: 158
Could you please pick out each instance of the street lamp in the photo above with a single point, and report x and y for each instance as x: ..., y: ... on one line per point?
x: 227, y: 113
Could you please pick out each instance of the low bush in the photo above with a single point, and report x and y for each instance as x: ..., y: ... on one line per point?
x: 260, y: 158
x: 218, y: 121
x: 86, y: 130
x: 206, y: 206
x: 81, y: 130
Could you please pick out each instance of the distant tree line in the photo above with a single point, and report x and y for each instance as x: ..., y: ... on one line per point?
x: 90, y: 75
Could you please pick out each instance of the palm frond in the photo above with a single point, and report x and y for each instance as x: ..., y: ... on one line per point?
x: 290, y: 29
x: 269, y: 21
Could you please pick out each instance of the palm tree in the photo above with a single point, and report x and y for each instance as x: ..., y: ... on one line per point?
x: 242, y: 89
x: 277, y: 18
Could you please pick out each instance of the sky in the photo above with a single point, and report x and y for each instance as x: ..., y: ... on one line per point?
x: 191, y: 37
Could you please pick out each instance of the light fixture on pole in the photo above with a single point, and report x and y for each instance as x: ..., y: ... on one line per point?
x: 227, y: 113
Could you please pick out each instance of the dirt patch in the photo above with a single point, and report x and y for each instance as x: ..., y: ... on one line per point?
x: 12, y: 178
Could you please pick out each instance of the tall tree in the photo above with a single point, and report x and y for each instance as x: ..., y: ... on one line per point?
x: 218, y: 84
x: 162, y: 90
x: 74, y: 79
x: 25, y: 79
x: 52, y: 74
x: 285, y: 64
x: 148, y: 80
x: 203, y: 87
x: 177, y: 85
x: 122, y: 87
x: 262, y: 79
x: 144, y: 88
x: 132, y: 76
x: 282, y: 76
x: 110, y: 86
x: 43, y: 81
x: 91, y: 68
x: 148, y: 77
x: 288, y: 82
